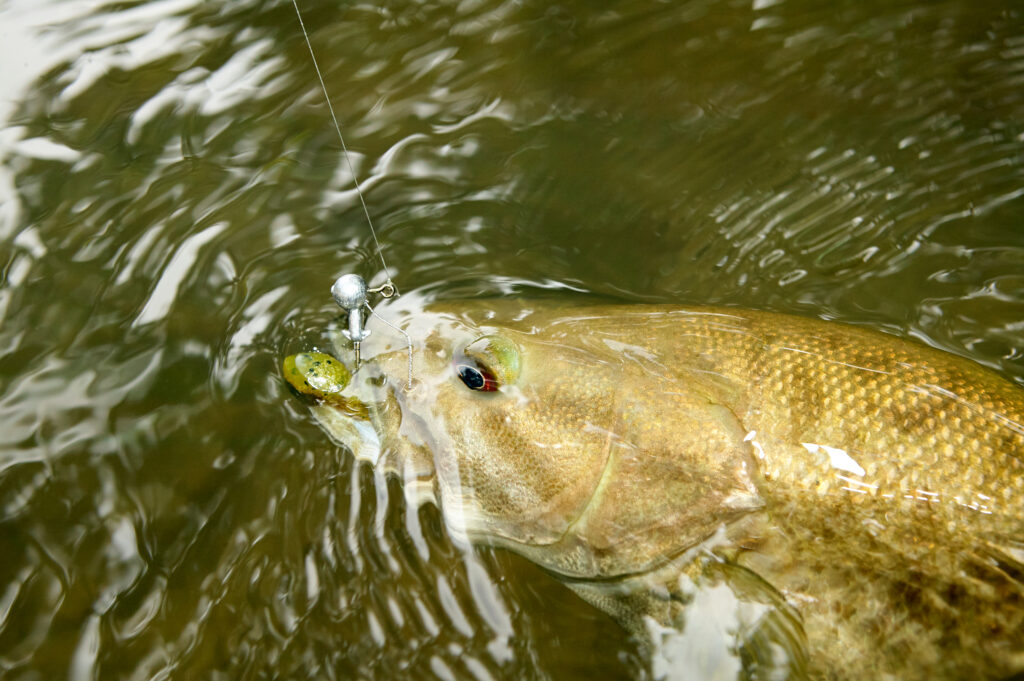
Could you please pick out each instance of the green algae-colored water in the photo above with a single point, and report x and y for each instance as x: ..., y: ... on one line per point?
x: 174, y: 208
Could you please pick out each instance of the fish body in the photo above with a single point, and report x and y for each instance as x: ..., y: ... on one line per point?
x: 857, y: 497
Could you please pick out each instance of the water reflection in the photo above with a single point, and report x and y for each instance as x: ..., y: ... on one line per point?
x: 173, y: 208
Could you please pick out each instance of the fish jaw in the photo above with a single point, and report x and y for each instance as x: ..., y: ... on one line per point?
x: 357, y: 412
x: 370, y: 420
x: 357, y: 434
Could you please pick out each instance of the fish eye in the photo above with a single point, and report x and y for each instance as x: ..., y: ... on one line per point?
x: 489, y: 363
x: 477, y: 378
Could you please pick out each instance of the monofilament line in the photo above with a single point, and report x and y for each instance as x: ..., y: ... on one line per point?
x: 344, y: 148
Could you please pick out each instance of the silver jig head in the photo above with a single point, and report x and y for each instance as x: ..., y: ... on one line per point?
x: 349, y: 291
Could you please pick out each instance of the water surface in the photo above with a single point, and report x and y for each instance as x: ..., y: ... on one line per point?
x: 174, y: 207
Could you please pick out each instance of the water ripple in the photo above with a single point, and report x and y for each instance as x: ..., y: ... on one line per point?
x: 174, y: 206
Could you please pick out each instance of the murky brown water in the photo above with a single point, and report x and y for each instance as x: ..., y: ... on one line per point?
x: 173, y: 209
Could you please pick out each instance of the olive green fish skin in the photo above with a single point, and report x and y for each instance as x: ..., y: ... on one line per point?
x: 872, y: 486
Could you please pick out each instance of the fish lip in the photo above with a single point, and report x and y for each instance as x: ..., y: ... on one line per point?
x: 357, y: 432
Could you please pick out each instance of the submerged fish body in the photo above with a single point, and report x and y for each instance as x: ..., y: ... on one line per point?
x: 859, y: 499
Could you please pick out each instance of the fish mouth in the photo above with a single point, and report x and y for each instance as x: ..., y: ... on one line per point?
x: 352, y: 429
x: 324, y: 380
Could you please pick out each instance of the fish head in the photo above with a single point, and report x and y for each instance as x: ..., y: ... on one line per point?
x: 551, y: 432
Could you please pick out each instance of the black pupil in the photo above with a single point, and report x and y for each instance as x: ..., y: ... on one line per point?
x: 472, y: 377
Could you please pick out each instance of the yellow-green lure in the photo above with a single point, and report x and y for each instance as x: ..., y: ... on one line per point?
x: 318, y: 375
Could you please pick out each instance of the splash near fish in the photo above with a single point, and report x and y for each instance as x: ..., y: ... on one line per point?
x: 750, y: 493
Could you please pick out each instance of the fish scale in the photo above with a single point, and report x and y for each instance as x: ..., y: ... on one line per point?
x: 937, y: 441
x: 915, y: 419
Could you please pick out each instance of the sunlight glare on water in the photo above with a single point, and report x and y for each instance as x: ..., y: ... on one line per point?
x: 174, y: 208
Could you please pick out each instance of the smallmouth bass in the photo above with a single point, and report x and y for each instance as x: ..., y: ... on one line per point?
x: 856, y: 500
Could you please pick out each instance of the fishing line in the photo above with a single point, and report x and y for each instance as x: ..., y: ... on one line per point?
x: 344, y: 147
x: 350, y: 290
